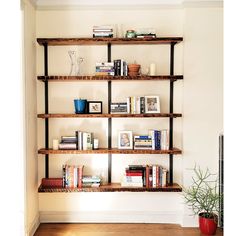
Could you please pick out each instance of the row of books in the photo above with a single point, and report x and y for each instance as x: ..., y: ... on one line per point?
x: 118, y: 67
x: 81, y: 141
x: 149, y: 176
x: 103, y: 31
x: 160, y: 139
x: 72, y: 176
x: 134, y: 105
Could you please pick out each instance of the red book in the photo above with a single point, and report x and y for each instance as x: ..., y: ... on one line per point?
x: 80, y: 175
x: 147, y: 177
x: 52, y: 182
x: 134, y: 173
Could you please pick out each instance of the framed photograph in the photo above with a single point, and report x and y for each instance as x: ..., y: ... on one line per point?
x: 125, y: 140
x: 95, y: 107
x: 152, y: 104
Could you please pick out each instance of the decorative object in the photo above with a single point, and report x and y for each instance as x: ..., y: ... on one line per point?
x: 152, y: 104
x: 125, y: 140
x: 75, y: 63
x: 80, y: 60
x: 55, y: 144
x: 203, y: 198
x: 152, y: 70
x: 133, y: 69
x: 80, y: 105
x: 95, y: 143
x: 95, y: 107
x: 130, y: 34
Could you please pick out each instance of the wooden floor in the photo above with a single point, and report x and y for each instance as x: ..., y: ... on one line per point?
x: 117, y: 230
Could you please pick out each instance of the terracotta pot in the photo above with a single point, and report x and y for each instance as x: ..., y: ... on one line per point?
x: 133, y: 69
x: 208, y: 226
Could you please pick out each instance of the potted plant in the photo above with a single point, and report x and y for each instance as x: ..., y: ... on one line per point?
x: 203, y: 198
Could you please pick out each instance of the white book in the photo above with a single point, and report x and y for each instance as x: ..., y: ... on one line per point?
x: 134, y: 179
x: 154, y: 176
x: 138, y: 105
x: 164, y: 140
x: 85, y: 137
x: 128, y: 184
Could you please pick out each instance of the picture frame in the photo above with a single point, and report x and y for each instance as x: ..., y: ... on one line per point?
x: 94, y: 107
x: 152, y: 104
x: 125, y: 140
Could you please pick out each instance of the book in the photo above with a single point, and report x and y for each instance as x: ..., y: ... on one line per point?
x: 67, y: 146
x: 154, y: 177
x: 52, y: 182
x: 80, y: 175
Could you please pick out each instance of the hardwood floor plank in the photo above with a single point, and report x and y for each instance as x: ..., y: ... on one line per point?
x: 74, y: 229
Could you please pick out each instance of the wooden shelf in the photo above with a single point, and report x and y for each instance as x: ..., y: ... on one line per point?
x: 105, y: 41
x: 112, y: 151
x: 54, y: 78
x: 62, y: 115
x: 114, y: 187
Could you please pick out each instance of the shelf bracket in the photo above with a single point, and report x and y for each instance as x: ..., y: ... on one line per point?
x: 171, y: 112
x: 46, y: 109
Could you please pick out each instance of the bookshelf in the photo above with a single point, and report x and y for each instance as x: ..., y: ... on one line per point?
x: 171, y: 79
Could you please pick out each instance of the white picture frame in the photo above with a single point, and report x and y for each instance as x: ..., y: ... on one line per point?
x: 125, y: 140
x: 152, y: 104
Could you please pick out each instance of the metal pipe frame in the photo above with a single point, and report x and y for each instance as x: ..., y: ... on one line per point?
x: 46, y: 109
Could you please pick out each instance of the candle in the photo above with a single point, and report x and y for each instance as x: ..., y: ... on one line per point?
x: 95, y: 143
x: 152, y: 69
x: 55, y: 144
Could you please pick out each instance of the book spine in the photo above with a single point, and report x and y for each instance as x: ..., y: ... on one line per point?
x: 142, y: 105
x: 64, y: 176
x: 147, y: 176
x: 128, y: 105
x: 154, y: 178
x: 77, y: 139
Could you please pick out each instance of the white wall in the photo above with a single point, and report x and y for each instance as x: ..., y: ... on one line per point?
x: 203, y: 90
x: 198, y: 79
x: 32, y: 209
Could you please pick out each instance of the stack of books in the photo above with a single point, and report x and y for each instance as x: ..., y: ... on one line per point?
x: 160, y: 139
x: 118, y: 107
x: 104, y: 68
x: 68, y: 142
x: 91, y: 181
x: 143, y: 142
x: 136, y: 105
x: 103, y: 31
x: 72, y: 176
x: 134, y: 176
x: 146, y: 36
x: 149, y: 176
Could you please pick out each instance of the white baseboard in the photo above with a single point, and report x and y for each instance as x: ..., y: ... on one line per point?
x: 33, y: 226
x: 174, y: 217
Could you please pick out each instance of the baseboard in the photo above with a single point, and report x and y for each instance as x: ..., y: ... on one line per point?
x: 174, y: 217
x: 33, y: 226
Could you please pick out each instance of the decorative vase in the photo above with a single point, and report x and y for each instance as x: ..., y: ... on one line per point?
x: 80, y: 105
x: 208, y: 226
x: 75, y: 64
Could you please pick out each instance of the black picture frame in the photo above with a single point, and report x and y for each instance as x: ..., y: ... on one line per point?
x: 94, y: 107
